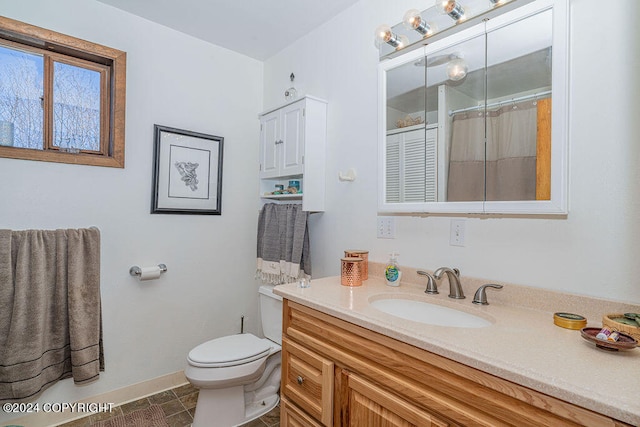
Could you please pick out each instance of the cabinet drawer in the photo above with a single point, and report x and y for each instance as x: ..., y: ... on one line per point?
x: 290, y: 416
x: 307, y: 381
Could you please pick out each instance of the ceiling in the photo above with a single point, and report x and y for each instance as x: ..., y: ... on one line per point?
x: 256, y: 28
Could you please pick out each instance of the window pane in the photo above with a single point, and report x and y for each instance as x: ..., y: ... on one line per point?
x: 76, y: 107
x: 21, y: 89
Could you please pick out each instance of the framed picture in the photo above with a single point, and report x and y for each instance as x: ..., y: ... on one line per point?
x: 187, y: 173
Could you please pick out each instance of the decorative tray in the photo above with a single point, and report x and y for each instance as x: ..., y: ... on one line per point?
x: 625, y: 342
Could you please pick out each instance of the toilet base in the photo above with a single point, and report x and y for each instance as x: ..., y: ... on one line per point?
x: 258, y: 409
x: 226, y: 407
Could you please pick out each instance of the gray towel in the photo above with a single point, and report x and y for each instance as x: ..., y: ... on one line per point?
x: 50, y: 317
x: 283, y: 243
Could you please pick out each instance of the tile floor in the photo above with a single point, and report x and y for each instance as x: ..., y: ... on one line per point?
x: 178, y: 405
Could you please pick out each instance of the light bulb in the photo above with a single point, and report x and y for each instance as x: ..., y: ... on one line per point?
x: 457, y: 69
x: 413, y: 21
x: 451, y: 8
x: 383, y: 34
x: 403, y: 41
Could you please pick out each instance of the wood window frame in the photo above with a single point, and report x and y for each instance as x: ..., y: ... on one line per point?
x: 110, y: 62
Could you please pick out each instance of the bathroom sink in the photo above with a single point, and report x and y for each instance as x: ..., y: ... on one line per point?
x: 431, y: 314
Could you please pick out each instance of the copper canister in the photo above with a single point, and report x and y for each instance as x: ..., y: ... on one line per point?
x: 351, y: 274
x: 364, y: 265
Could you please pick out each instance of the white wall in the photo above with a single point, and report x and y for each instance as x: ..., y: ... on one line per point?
x: 592, y: 252
x: 172, y: 80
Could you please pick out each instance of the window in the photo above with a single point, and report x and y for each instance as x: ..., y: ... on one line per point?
x: 62, y: 99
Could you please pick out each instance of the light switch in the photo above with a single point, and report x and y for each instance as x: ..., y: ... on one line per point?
x: 457, y: 232
x: 386, y: 227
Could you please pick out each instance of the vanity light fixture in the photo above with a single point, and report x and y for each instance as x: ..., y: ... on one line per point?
x: 384, y: 34
x: 413, y: 21
x: 451, y: 8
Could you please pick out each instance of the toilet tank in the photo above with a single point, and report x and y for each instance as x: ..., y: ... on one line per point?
x: 271, y: 313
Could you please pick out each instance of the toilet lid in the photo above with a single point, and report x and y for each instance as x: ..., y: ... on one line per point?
x: 231, y: 350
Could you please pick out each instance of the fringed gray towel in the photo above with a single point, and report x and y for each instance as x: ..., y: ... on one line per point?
x: 50, y: 316
x: 283, y: 243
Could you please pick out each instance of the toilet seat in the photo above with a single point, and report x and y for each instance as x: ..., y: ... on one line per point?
x: 230, y: 350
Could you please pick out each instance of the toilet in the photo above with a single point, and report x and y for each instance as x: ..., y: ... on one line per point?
x: 238, y: 376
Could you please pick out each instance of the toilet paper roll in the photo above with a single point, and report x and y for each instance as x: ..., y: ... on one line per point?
x: 150, y: 273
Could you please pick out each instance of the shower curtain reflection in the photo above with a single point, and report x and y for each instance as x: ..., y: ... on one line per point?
x: 504, y: 169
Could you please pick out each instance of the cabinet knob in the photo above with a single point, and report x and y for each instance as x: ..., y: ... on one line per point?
x: 279, y: 141
x: 300, y: 380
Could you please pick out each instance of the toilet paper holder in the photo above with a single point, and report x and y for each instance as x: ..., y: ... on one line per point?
x: 137, y: 271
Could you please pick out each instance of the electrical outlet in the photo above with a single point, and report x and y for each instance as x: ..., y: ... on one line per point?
x: 386, y: 227
x: 456, y: 237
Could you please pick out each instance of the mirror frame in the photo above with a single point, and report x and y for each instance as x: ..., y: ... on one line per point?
x: 558, y: 204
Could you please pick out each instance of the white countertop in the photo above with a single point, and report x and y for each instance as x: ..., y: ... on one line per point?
x: 522, y: 345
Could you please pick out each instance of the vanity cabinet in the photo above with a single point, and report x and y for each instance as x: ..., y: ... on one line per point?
x: 292, y: 147
x: 336, y: 373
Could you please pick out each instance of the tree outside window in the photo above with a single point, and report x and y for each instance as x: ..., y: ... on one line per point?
x: 64, y: 103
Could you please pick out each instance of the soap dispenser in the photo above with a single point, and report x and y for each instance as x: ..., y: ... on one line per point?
x: 392, y: 272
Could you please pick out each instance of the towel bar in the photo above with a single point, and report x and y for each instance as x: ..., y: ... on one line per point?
x: 137, y: 271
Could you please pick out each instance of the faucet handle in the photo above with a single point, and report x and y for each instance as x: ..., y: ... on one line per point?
x: 481, y: 294
x: 431, y: 283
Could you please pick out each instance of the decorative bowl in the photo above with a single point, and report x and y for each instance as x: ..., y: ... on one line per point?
x: 625, y: 342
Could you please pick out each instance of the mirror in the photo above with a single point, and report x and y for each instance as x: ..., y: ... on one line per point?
x: 466, y: 120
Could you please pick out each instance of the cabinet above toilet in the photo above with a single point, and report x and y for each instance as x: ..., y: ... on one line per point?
x: 292, y: 151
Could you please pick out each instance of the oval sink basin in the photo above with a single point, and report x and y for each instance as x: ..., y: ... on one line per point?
x: 431, y: 314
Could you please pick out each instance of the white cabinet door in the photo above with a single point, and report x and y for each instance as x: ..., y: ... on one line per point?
x: 282, y: 141
x: 292, y: 136
x: 269, y: 144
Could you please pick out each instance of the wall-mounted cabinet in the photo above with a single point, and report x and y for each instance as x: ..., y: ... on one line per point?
x: 292, y: 150
x: 494, y: 95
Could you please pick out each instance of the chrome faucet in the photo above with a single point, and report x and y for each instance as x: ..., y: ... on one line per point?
x: 453, y: 275
x: 431, y: 283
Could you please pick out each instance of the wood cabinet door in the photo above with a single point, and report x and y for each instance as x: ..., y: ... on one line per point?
x: 371, y: 406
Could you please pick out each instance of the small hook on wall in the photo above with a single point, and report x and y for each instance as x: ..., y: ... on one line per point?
x: 350, y: 176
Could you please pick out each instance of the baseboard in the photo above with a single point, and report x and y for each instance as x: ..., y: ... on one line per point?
x: 116, y: 397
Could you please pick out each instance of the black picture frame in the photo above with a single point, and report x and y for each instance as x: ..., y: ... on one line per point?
x: 187, y: 172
